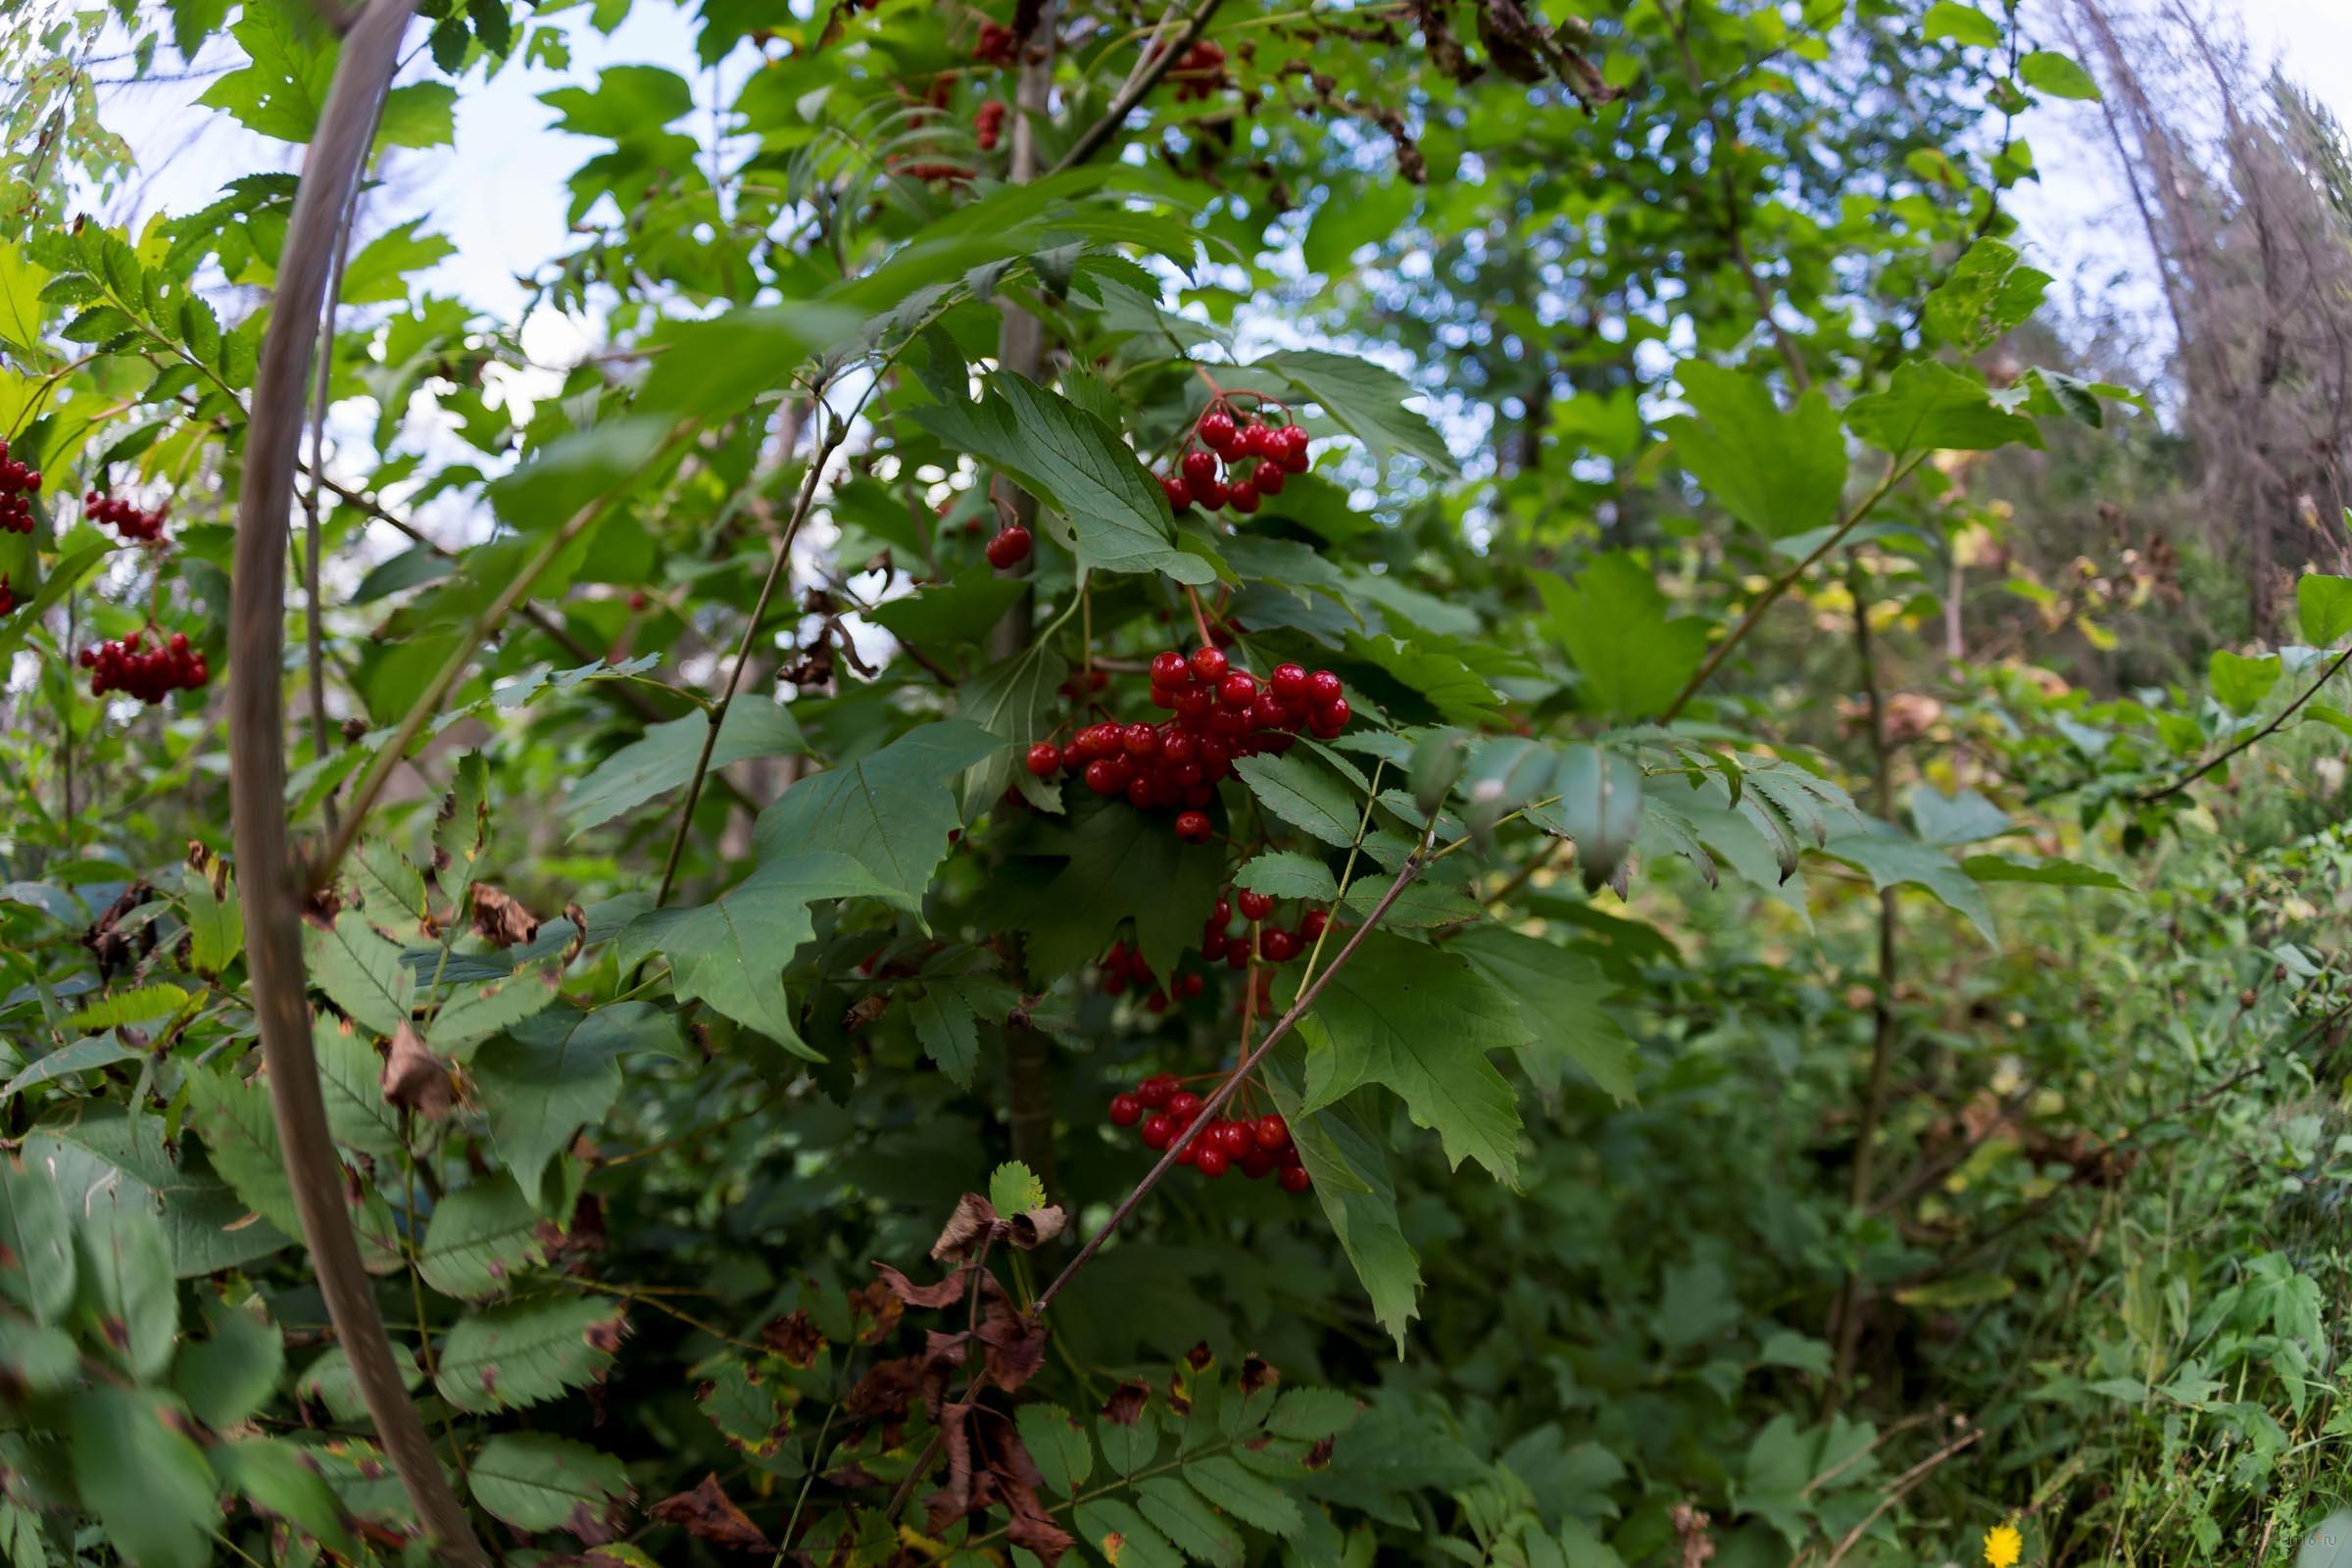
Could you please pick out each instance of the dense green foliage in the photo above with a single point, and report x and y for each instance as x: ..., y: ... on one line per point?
x: 1761, y: 1084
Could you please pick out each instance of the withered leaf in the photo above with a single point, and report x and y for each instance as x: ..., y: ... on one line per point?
x: 416, y: 1080
x: 1032, y: 1229
x: 973, y: 1222
x: 1126, y: 1406
x: 796, y: 1338
x: 874, y: 1302
x: 946, y: 1293
x: 885, y: 1391
x: 1015, y: 1342
x: 1258, y: 1373
x: 500, y: 918
x: 709, y: 1515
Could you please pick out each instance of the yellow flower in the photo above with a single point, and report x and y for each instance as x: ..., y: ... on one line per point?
x: 2002, y: 1546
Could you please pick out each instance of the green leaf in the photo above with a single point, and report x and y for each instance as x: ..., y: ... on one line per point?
x: 1017, y: 699
x: 1458, y: 694
x: 1122, y: 1536
x: 2046, y: 70
x: 241, y: 1137
x: 1598, y: 807
x: 145, y: 1479
x: 2240, y: 684
x: 1561, y: 998
x: 1780, y: 473
x: 951, y: 613
x: 2055, y: 873
x: 663, y: 756
x: 472, y: 1013
x: 1013, y: 1188
x: 1111, y: 514
x: 330, y: 1380
x: 2323, y: 608
x: 1297, y: 789
x: 536, y: 1482
x: 105, y: 1156
x: 419, y: 113
x: 1893, y: 861
x: 88, y: 1054
x: 361, y: 972
x: 1058, y: 1443
x: 228, y: 1377
x: 142, y: 1004
x: 891, y: 810
x: 479, y: 1238
x: 1947, y: 21
x: 946, y: 1021
x: 36, y: 1242
x: 1251, y: 1498
x: 1312, y: 1414
x: 1988, y: 292
x: 731, y: 951
x: 1287, y: 874
x: 380, y: 274
x: 1192, y: 1525
x: 128, y: 1294
x: 1121, y: 865
x: 279, y: 94
x: 526, y: 1353
x: 1632, y: 657
x: 1962, y: 818
x: 278, y: 1478
x: 559, y: 1072
x: 1351, y: 1175
x: 1420, y: 1022
x: 1929, y: 406
x: 215, y: 919
x: 351, y: 1082
x: 1363, y: 400
x: 707, y: 368
x: 38, y: 1359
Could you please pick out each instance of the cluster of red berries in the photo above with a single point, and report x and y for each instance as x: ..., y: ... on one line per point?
x: 1234, y: 462
x: 1162, y: 1107
x: 1221, y: 714
x: 989, y: 123
x: 17, y: 485
x: 1199, y: 70
x: 148, y: 673
x: 1124, y: 969
x: 997, y: 45
x: 146, y: 527
x: 8, y: 600
x: 1275, y: 944
x: 951, y: 172
x: 1010, y: 548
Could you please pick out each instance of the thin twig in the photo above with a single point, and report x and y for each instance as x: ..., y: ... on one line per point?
x: 716, y: 714
x: 1096, y: 137
x: 1215, y: 1102
x: 2148, y: 797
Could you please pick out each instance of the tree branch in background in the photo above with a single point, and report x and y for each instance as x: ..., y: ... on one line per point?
x: 268, y: 880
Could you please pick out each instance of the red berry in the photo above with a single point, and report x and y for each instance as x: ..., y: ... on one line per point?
x: 1242, y: 497
x: 1254, y: 905
x: 1280, y: 945
x: 1235, y: 1138
x: 1210, y: 1162
x: 1045, y: 760
x: 1237, y: 953
x: 1271, y: 1132
x: 1182, y: 1107
x: 1294, y: 1179
x: 1331, y: 719
x: 1323, y: 688
x: 1200, y: 470
x: 1257, y: 1164
x: 1219, y: 914
x: 1191, y: 985
x: 1105, y: 776
x: 1289, y: 682
x: 1194, y: 827
x: 1178, y: 494
x: 1208, y: 665
x: 1293, y: 448
x: 1217, y: 430
x: 1268, y: 478
x: 1313, y: 926
x: 1238, y: 689
x: 1125, y: 1110
x: 1010, y: 548
x: 1210, y: 496
x: 1168, y: 669
x: 1159, y: 1130
x: 1155, y: 1090
x: 1097, y: 741
x: 1214, y: 946
x: 1139, y: 740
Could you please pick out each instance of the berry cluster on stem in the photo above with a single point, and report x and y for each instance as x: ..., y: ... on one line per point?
x: 132, y: 522
x: 1161, y: 1109
x: 151, y: 674
x: 1200, y: 72
x: 988, y: 125
x: 1235, y: 457
x: 19, y: 484
x: 999, y: 45
x: 1221, y: 714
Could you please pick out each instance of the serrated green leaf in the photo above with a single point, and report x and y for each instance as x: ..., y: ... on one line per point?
x: 126, y: 1292
x: 526, y: 1353
x: 139, y: 1472
x: 559, y: 1072
x: 1058, y: 1444
x: 891, y: 810
x: 361, y: 972
x: 1308, y: 795
x: 479, y: 1238
x: 1560, y: 996
x: 662, y: 758
x: 536, y: 1482
x: 1781, y: 473
x: 1013, y: 1188
x: 36, y: 1242
x: 228, y: 1377
x: 1287, y: 874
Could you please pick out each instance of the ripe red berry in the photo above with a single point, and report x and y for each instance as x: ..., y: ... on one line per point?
x: 1271, y: 1132
x: 1288, y: 682
x: 1155, y: 1090
x: 1045, y: 760
x: 1257, y: 1164
x: 1168, y: 669
x: 1293, y: 448
x: 1217, y: 430
x: 1279, y: 945
x: 1209, y: 496
x: 1242, y: 497
x: 1159, y: 1130
x: 1237, y: 953
x: 1210, y: 1161
x: 1235, y: 1138
x: 1219, y: 914
x: 1254, y: 905
x: 1179, y: 493
x: 1139, y: 740
x: 1106, y: 775
x: 1323, y: 688
x: 1294, y: 1179
x: 1331, y: 719
x: 1194, y: 827
x: 1239, y: 689
x: 1268, y: 478
x: 1208, y: 665
x: 1182, y: 1107
x: 1010, y: 548
x: 1313, y: 926
x: 1200, y: 470
x: 1125, y: 1110
x: 1097, y: 741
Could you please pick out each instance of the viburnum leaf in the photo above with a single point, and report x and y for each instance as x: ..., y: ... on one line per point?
x: 1350, y: 1174
x: 1781, y: 473
x: 891, y: 810
x: 1632, y: 657
x: 662, y: 758
x: 1991, y: 290
x: 731, y: 951
x: 536, y: 1482
x: 1364, y: 400
x: 555, y: 1074
x: 1929, y: 405
x: 1119, y: 863
x: 1597, y: 804
x: 1016, y: 700
x: 1110, y: 512
x: 1420, y: 1022
x: 1892, y: 861
x: 1560, y: 996
x: 524, y: 1352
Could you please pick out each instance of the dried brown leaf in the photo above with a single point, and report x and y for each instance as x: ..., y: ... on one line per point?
x: 709, y: 1515
x: 416, y: 1080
